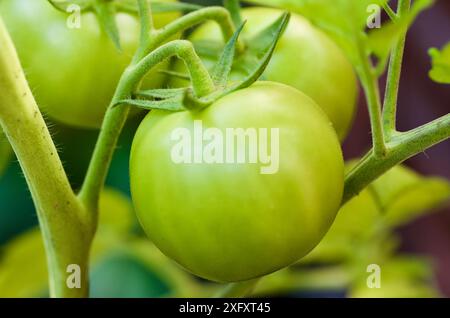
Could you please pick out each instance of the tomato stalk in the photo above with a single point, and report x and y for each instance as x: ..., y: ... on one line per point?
x: 369, y: 82
x: 67, y: 228
x: 393, y: 79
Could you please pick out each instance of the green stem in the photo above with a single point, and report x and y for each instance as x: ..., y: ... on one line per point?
x: 240, y: 289
x: 369, y: 82
x: 393, y: 78
x: 112, y: 126
x: 400, y: 147
x: 67, y: 228
x: 201, y: 80
x: 217, y: 14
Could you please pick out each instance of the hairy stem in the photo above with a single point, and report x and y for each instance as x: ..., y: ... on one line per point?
x: 66, y: 227
x: 369, y: 82
x: 393, y: 78
x: 401, y: 147
x: 112, y: 126
x: 218, y: 14
x: 201, y: 80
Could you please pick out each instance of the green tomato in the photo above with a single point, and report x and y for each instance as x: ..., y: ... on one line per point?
x: 73, y: 72
x: 230, y: 221
x: 305, y: 58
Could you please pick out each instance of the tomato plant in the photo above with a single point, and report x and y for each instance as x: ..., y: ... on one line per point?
x: 73, y: 70
x: 233, y: 177
x: 305, y: 58
x: 234, y: 225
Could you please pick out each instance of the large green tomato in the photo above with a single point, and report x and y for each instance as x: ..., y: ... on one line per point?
x: 73, y: 72
x: 227, y: 219
x: 306, y: 59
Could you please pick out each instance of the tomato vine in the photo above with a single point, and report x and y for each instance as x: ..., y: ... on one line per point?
x: 69, y: 221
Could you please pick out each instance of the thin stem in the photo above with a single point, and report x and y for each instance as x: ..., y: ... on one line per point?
x: 401, y: 147
x: 370, y: 85
x: 218, y: 14
x: 393, y: 78
x: 112, y: 126
x: 387, y: 8
x: 201, y: 80
x: 66, y: 227
x: 240, y: 289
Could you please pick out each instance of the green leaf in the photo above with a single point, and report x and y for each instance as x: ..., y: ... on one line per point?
x: 440, y: 61
x: 234, y: 7
x: 131, y: 6
x: 161, y: 93
x: 401, y: 277
x: 170, y: 104
x: 106, y: 15
x: 223, y: 67
x: 261, y: 49
x: 404, y: 195
x: 19, y: 279
x: 382, y: 40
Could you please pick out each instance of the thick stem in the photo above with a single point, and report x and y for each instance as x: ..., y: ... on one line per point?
x: 393, y: 78
x: 66, y: 227
x: 401, y: 147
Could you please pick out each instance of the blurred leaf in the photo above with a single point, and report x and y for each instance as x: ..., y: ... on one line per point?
x: 156, y: 6
x: 354, y: 224
x: 404, y: 195
x: 116, y: 211
x: 120, y: 275
x: 383, y: 39
x: 19, y: 279
x: 440, y: 60
x: 403, y: 277
x: 345, y: 21
x: 106, y: 15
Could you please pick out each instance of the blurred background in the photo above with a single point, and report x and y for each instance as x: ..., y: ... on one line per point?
x: 121, y: 274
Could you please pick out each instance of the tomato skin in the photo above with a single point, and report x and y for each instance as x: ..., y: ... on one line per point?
x: 229, y: 222
x: 305, y: 58
x: 72, y: 72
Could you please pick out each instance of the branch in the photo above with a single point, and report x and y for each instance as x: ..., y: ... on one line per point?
x: 393, y: 79
x: 369, y: 82
x: 218, y: 14
x: 239, y: 289
x: 66, y: 227
x: 401, y: 147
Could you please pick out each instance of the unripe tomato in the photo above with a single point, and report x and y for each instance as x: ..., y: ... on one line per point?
x: 305, y: 58
x: 73, y: 72
x: 230, y: 221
